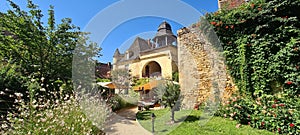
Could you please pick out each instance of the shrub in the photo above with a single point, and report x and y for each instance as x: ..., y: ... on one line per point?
x: 271, y: 113
x: 117, y: 102
x: 68, y: 114
x: 102, y: 80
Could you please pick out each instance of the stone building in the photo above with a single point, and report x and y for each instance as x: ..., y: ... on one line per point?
x: 202, y: 73
x: 150, y: 58
x: 103, y: 70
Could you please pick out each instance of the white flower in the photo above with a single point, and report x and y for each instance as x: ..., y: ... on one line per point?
x: 19, y: 94
x: 42, y: 79
x: 62, y: 123
x: 17, y: 101
x: 50, y: 115
x: 42, y: 89
x: 43, y: 120
x: 34, y: 101
x: 2, y: 93
x: 4, y: 125
x: 32, y: 80
x: 34, y: 106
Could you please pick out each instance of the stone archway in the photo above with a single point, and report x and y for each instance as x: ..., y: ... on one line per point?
x: 151, y: 69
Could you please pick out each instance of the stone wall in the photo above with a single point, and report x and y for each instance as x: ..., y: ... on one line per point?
x: 202, y: 72
x: 229, y: 4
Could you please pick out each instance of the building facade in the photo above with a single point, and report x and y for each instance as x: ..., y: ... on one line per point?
x: 150, y: 58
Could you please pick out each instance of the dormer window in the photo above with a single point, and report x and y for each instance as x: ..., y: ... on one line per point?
x: 127, y: 55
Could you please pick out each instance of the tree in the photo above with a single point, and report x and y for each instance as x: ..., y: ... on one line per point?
x: 171, y: 97
x: 38, y: 52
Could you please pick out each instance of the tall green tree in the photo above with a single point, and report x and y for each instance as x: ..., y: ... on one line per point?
x: 37, y: 51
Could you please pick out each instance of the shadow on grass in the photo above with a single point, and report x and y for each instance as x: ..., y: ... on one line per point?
x: 189, y: 118
x: 163, y: 131
x: 145, y: 115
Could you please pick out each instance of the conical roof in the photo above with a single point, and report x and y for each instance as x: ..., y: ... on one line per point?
x: 164, y: 29
x: 117, y: 53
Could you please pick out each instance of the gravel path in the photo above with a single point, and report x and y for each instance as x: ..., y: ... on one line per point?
x: 124, y: 123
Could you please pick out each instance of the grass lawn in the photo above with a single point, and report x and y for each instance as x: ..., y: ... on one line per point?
x: 187, y: 122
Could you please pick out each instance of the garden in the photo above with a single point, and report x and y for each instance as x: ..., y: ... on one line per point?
x: 261, y: 44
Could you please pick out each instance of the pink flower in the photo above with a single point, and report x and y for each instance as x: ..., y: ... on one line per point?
x: 238, y: 126
x: 213, y: 23
x: 259, y: 9
x: 292, y: 125
x: 289, y: 82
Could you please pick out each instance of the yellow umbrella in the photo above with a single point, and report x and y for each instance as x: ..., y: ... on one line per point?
x: 147, y: 86
x: 110, y: 86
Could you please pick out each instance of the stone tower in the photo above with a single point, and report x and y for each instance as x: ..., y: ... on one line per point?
x: 164, y: 35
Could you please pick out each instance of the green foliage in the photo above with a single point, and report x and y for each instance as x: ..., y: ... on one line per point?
x: 261, y: 41
x: 64, y: 116
x: 171, y: 97
x: 46, y: 50
x: 118, y: 103
x: 102, y: 80
x: 270, y: 113
x: 175, y: 76
x: 36, y: 62
x: 261, y: 44
x: 140, y: 81
x: 30, y: 50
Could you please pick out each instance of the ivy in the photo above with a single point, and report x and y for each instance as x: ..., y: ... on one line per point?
x: 261, y: 44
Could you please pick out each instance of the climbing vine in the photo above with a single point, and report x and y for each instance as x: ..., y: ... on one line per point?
x: 261, y: 43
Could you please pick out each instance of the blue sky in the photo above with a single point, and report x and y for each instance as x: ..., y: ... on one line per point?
x: 115, y: 23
